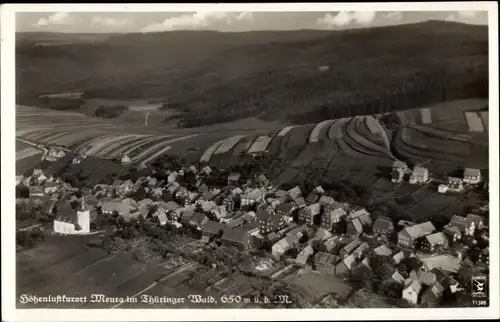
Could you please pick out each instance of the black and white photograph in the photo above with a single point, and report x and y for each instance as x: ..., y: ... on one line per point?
x: 226, y: 157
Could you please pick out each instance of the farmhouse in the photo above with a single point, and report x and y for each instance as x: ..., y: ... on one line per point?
x: 434, y: 242
x: 308, y: 214
x: 397, y: 164
x: 455, y: 184
x: 465, y: 225
x: 344, y: 267
x: 361, y: 250
x: 54, y: 155
x: 411, y: 293
x: 269, y: 222
x: 50, y: 188
x: 419, y: 175
x: 252, y: 196
x: 358, y: 222
x: 283, y: 245
x: 383, y: 228
x: 36, y: 191
x: 478, y: 220
x: 300, y: 202
x: 198, y: 220
x: 172, y: 177
x: 233, y: 179
x: 472, y: 176
x: 452, y: 234
x: 295, y: 192
x: 383, y: 250
x: 211, y: 229
x: 286, y: 209
x: 304, y: 255
x: 408, y: 235
x: 185, y: 218
x: 349, y: 248
x: 331, y: 220
x: 239, y: 238
x: 327, y: 200
x: 432, y: 294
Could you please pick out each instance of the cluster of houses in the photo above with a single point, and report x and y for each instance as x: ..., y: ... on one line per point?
x: 420, y: 175
x: 314, y: 229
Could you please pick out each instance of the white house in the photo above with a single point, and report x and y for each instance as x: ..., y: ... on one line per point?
x: 419, y: 175
x: 472, y: 176
x: 412, y: 291
x: 126, y: 159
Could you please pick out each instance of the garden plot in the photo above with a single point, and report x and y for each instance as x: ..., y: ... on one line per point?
x: 244, y: 145
x: 260, y: 144
x: 76, y: 138
x: 335, y: 131
x: 210, y: 151
x: 143, y: 143
x: 228, y: 144
x: 102, y: 144
x: 318, y: 129
x: 51, y: 135
x: 27, y: 164
x: 274, y: 146
x: 316, y: 285
x: 26, y: 153
x: 116, y: 143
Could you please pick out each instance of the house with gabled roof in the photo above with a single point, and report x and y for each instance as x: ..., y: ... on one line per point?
x: 211, y: 229
x: 472, y: 176
x: 383, y: 250
x: 345, y: 266
x: 409, y: 235
x: 286, y: 209
x: 331, y: 244
x: 237, y: 237
x: 233, y: 178
x: 478, y: 220
x: 465, y: 225
x: 350, y: 247
x: 300, y: 202
x: 197, y: 220
x: 269, y: 221
x: 411, y: 293
x: 383, y: 228
x: 304, y: 255
x: 186, y: 217
x: 434, y: 242
x: 295, y: 192
x: 419, y: 175
x: 283, y: 245
x: 331, y: 220
x: 308, y: 214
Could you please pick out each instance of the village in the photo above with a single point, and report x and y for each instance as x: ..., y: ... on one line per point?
x: 415, y: 262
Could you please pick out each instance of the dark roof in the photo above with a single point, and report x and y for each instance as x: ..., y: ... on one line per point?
x: 286, y: 207
x: 209, y: 195
x: 325, y: 259
x: 313, y: 197
x: 263, y: 214
x: 198, y: 217
x: 237, y: 235
x: 382, y: 223
x: 66, y: 213
x: 186, y: 216
x: 212, y: 227
x: 236, y: 222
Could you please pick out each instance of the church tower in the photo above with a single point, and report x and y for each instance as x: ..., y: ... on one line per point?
x: 83, y: 215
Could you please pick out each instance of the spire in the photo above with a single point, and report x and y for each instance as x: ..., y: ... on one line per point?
x: 83, y: 203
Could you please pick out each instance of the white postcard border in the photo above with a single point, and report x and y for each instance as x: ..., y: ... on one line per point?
x: 10, y: 313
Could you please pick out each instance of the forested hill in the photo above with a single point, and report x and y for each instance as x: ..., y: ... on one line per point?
x: 303, y: 76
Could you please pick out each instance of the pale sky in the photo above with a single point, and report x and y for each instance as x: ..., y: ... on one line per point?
x: 111, y: 22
